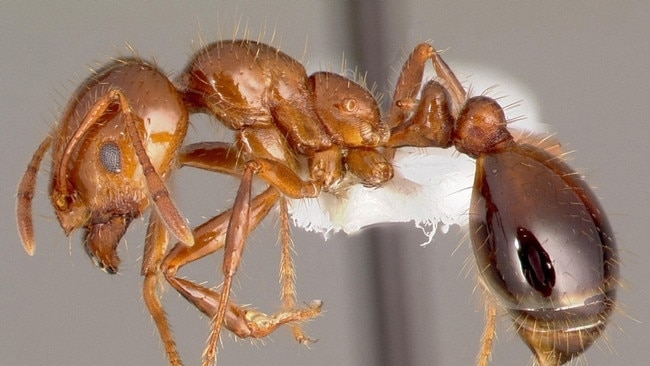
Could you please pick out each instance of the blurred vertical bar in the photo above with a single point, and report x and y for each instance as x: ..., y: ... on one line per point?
x: 371, y: 26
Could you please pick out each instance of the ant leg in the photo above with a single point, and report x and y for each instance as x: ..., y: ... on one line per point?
x: 432, y: 123
x: 214, y: 156
x: 410, y: 80
x: 284, y: 179
x: 237, y: 231
x: 488, y: 333
x: 233, y: 250
x: 427, y: 122
x: 157, y: 188
x: 288, y: 277
x: 154, y: 251
x: 408, y: 84
x: 451, y: 82
x: 243, y: 322
x: 25, y: 196
x: 210, y: 237
x: 326, y: 166
x: 221, y: 158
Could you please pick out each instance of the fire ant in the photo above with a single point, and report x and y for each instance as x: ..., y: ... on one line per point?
x: 537, y: 230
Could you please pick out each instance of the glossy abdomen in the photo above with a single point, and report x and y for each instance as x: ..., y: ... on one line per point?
x: 544, y: 248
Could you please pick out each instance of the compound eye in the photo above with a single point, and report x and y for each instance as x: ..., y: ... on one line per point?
x: 350, y: 105
x: 111, y: 157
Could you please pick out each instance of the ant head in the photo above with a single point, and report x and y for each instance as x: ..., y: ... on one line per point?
x: 104, y: 189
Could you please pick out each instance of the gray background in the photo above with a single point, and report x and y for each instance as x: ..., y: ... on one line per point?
x: 392, y: 304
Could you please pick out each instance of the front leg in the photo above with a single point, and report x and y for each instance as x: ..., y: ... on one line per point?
x: 154, y: 251
x: 210, y: 237
x: 224, y: 158
x: 233, y: 250
x: 281, y: 175
x: 288, y: 282
x: 428, y: 121
x: 241, y: 321
x: 409, y: 83
x: 431, y: 124
x: 235, y: 241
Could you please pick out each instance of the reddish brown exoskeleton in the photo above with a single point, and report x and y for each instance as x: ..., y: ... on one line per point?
x: 520, y: 260
x: 120, y: 138
x: 537, y: 230
x: 279, y: 113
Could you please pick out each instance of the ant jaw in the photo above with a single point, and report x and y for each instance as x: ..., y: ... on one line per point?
x: 101, y: 241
